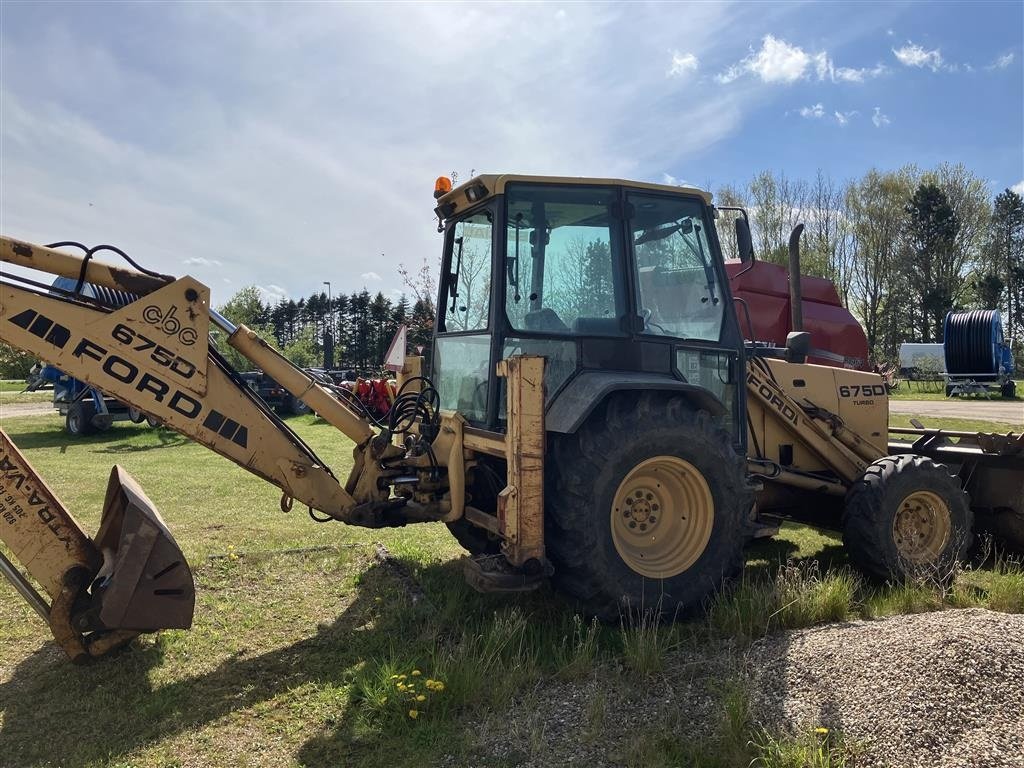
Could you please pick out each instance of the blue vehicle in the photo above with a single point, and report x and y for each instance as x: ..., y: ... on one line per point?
x: 85, y: 409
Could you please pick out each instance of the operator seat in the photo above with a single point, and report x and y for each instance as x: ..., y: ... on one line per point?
x: 545, y: 320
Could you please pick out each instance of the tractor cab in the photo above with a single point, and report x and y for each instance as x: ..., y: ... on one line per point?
x: 618, y: 285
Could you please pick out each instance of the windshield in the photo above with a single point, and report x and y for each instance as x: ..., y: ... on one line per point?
x: 677, y: 281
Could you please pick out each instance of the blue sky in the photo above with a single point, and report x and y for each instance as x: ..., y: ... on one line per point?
x: 284, y: 145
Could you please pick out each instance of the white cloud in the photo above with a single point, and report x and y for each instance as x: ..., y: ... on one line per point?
x: 201, y: 261
x: 272, y: 294
x: 879, y: 119
x: 850, y: 75
x: 371, y: 277
x: 1002, y: 62
x: 911, y: 55
x: 673, y: 181
x: 780, y: 62
x: 682, y: 64
x: 1018, y: 187
x: 816, y: 111
x: 844, y: 117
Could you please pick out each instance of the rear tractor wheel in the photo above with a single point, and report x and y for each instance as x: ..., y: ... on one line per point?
x: 78, y: 421
x: 648, y: 508
x: 907, y: 517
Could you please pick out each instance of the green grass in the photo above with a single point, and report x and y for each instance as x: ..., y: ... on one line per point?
x: 936, y: 390
x: 296, y: 642
x: 953, y: 424
x: 11, y: 391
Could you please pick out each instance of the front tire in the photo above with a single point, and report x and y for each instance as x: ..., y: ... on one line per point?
x: 907, y: 516
x: 648, y: 507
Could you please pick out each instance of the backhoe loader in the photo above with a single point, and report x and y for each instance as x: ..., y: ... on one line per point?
x: 593, y: 415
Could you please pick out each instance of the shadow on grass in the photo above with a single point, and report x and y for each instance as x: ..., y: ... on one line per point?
x: 57, y: 714
x: 49, y: 436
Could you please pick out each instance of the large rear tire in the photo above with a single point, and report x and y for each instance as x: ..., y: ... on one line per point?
x: 648, y: 507
x: 907, y: 517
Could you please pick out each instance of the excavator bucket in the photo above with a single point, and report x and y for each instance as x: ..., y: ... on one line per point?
x: 131, y: 578
x: 145, y: 583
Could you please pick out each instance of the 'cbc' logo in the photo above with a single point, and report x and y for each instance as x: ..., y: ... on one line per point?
x: 169, y: 324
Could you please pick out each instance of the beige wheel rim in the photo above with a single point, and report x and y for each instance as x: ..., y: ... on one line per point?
x: 922, y: 527
x: 662, y: 516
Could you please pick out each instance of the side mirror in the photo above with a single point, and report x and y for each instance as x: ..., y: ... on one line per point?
x: 744, y: 241
x: 798, y: 344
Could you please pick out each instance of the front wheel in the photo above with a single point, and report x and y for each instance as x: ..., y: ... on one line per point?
x: 907, y: 517
x: 135, y: 416
x: 648, y: 507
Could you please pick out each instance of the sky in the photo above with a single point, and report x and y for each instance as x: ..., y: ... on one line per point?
x: 284, y: 145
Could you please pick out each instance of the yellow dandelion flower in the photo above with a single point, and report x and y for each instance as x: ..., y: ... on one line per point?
x: 401, y: 677
x: 416, y: 673
x: 438, y: 686
x: 821, y: 730
x: 232, y: 556
x: 414, y: 713
x: 394, y: 677
x: 421, y: 697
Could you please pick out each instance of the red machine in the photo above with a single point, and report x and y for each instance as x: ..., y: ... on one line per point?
x: 837, y: 338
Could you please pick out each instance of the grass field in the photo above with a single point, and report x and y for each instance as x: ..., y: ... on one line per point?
x: 303, y: 631
x: 11, y: 392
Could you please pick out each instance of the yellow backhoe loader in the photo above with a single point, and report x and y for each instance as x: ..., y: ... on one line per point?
x: 592, y: 415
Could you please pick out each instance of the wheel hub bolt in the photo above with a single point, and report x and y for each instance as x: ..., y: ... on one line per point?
x: 643, y: 526
x: 652, y: 519
x: 632, y: 523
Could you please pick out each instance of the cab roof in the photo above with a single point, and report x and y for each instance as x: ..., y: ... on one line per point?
x: 494, y: 184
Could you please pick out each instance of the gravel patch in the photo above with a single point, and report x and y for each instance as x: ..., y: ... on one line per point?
x: 933, y: 690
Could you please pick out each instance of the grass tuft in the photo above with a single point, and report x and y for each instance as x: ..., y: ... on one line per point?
x: 644, y: 640
x: 816, y: 748
x: 798, y: 596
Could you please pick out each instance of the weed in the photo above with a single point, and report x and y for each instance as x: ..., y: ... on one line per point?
x: 798, y: 596
x: 576, y: 653
x: 644, y: 640
x: 816, y: 748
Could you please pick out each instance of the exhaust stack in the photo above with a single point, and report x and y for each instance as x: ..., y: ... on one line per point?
x: 796, y: 298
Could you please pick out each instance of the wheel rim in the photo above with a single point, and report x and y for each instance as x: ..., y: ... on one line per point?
x: 922, y: 527
x: 662, y: 516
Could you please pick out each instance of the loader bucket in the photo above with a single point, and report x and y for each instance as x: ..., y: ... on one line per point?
x: 145, y: 584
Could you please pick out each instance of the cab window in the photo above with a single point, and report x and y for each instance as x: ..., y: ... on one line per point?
x: 677, y: 279
x: 562, y: 263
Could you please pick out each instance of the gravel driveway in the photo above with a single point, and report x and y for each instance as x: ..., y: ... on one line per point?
x: 14, y: 410
x: 1008, y: 411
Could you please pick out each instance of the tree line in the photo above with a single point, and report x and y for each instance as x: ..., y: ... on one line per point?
x: 346, y: 331
x: 903, y: 247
